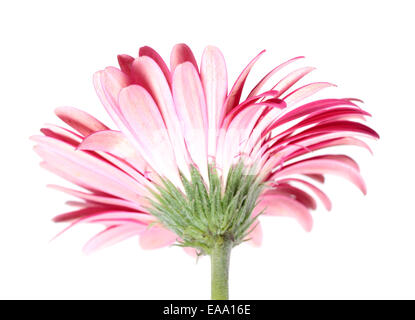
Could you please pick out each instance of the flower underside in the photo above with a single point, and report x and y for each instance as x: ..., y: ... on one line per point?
x: 176, y: 165
x: 202, y: 215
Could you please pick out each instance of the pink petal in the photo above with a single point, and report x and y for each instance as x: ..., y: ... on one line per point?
x: 125, y: 61
x: 255, y: 234
x: 77, y: 214
x: 320, y: 194
x: 151, y: 53
x: 260, y: 84
x: 215, y: 84
x: 81, y: 121
x: 115, y: 143
x: 283, y: 206
x: 149, y: 75
x: 235, y: 94
x: 149, y: 130
x: 108, y: 84
x: 324, y: 166
x: 305, y: 92
x: 181, y: 53
x: 191, y: 108
x: 191, y: 251
x: 62, y: 134
x: 293, y: 114
x: 110, y: 236
x: 86, y: 169
x: 295, y: 193
x: 289, y: 80
x: 155, y: 237
x: 99, y: 199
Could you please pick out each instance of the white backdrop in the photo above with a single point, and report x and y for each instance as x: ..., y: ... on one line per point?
x: 364, y: 248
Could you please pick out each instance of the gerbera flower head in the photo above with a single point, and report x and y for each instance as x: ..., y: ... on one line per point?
x: 188, y: 161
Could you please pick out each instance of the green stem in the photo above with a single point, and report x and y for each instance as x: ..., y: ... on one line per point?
x: 220, y: 257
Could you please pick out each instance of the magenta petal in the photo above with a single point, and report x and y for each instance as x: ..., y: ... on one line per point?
x: 125, y: 61
x: 320, y: 194
x: 324, y: 166
x: 151, y: 53
x: 99, y: 199
x: 81, y: 121
x: 235, y: 94
x: 181, y: 53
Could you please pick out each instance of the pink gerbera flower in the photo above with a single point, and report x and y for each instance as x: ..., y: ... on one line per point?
x: 188, y: 162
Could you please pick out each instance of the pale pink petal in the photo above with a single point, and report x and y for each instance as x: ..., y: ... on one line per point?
x: 305, y: 92
x: 191, y: 251
x: 115, y: 143
x: 255, y: 234
x: 284, y: 206
x: 88, y: 169
x: 149, y: 130
x: 215, y: 84
x: 260, y: 84
x: 149, y: 75
x: 292, y: 78
x: 191, y: 108
x: 110, y: 236
x: 108, y: 84
x: 155, y: 237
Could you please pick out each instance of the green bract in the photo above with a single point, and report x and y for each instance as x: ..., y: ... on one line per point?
x: 203, y: 216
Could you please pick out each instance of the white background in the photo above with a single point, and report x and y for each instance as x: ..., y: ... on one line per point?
x: 364, y: 248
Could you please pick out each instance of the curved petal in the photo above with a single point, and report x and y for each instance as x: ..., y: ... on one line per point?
x: 125, y: 61
x: 284, y: 206
x: 115, y: 143
x: 151, y: 53
x: 88, y: 170
x: 99, y: 199
x: 320, y: 194
x: 235, y: 94
x: 255, y: 234
x: 305, y: 92
x: 260, y: 84
x: 324, y: 166
x: 111, y: 236
x: 181, y: 53
x: 155, y: 237
x: 81, y: 121
x: 292, y: 78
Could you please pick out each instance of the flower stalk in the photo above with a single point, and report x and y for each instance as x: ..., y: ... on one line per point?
x: 220, y: 258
